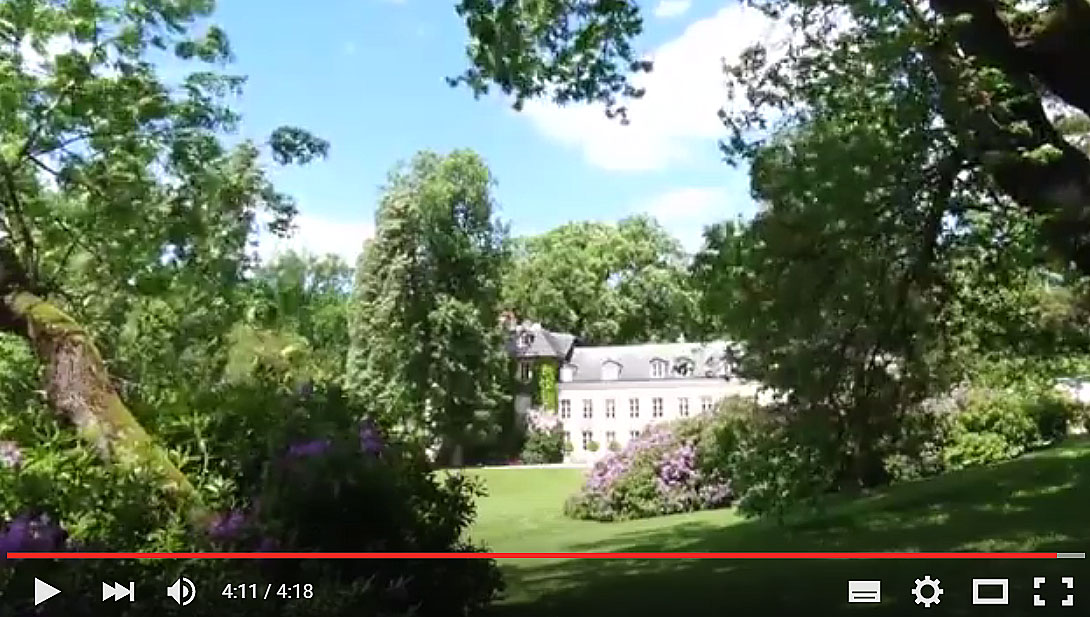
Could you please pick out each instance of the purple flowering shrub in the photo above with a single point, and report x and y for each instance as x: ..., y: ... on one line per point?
x: 357, y: 492
x: 278, y: 470
x: 660, y: 472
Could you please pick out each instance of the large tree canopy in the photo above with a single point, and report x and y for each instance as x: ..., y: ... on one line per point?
x: 996, y: 68
x: 114, y: 185
x: 914, y: 159
x: 607, y: 284
x: 427, y: 354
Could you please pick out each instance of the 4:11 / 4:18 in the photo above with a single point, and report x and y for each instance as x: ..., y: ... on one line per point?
x: 266, y: 591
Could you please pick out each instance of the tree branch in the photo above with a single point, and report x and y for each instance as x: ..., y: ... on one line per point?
x: 1023, y: 152
x: 16, y: 213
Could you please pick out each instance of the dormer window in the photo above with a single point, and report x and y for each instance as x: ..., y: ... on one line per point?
x: 525, y: 339
x: 611, y: 371
x: 683, y: 367
x: 567, y: 372
x: 526, y: 370
x: 659, y: 368
x: 715, y: 367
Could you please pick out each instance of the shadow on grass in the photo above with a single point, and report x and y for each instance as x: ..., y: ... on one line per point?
x: 1035, y: 504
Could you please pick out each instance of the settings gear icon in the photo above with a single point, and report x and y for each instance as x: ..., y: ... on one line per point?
x: 932, y: 597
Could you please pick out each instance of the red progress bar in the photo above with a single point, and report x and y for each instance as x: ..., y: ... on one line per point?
x: 533, y: 555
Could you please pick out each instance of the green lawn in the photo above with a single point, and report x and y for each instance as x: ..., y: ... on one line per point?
x: 1037, y: 503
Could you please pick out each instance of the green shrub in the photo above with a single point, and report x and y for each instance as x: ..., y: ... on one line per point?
x: 1053, y: 414
x: 917, y: 451
x: 593, y: 446
x: 544, y: 440
x: 543, y: 446
x: 778, y: 460
x: 998, y: 424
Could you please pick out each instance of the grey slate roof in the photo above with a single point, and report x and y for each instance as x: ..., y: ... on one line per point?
x: 537, y: 342
x: 635, y: 361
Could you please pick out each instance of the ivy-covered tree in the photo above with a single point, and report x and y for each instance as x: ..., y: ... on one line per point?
x: 607, y: 284
x: 427, y: 352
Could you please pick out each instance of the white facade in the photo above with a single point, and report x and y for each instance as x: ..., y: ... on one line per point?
x: 620, y: 410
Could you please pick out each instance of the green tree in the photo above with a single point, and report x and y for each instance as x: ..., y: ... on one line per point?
x: 114, y: 185
x: 607, y: 284
x: 992, y: 66
x: 427, y: 354
x: 882, y: 268
x: 307, y: 296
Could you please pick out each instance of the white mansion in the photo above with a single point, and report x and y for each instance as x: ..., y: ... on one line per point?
x: 608, y: 395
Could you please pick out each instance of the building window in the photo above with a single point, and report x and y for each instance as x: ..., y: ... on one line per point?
x: 656, y: 407
x: 611, y: 438
x: 567, y: 373
x: 525, y: 339
x: 659, y: 368
x: 611, y: 408
x: 565, y: 408
x: 683, y: 407
x: 683, y: 367
x: 611, y: 371
x: 705, y: 403
x: 526, y: 370
x: 587, y: 438
x: 633, y: 408
x: 588, y: 408
x: 633, y: 434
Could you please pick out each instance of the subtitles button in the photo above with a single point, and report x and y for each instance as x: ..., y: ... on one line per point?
x: 864, y: 592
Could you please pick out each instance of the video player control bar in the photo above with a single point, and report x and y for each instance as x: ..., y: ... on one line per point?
x: 1070, y: 555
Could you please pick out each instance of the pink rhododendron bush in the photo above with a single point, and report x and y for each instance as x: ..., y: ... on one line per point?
x: 666, y: 470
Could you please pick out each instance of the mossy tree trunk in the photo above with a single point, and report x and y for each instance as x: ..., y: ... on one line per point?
x: 77, y: 384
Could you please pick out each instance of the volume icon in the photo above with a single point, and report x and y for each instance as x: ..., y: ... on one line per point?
x: 183, y: 591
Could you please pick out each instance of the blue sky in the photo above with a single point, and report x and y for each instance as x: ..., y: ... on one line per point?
x: 368, y: 76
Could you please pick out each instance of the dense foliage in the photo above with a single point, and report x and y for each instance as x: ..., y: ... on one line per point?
x: 924, y: 187
x: 427, y: 352
x: 607, y: 284
x: 544, y: 439
x: 164, y: 394
x: 301, y: 296
x: 991, y: 426
x: 924, y: 225
x: 665, y: 470
x: 272, y: 464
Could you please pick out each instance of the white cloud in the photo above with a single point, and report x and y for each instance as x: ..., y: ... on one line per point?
x: 41, y: 63
x: 684, y: 212
x: 672, y: 8
x: 686, y: 203
x: 319, y: 236
x: 678, y: 115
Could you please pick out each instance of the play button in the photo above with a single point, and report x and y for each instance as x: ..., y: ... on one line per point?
x: 43, y: 591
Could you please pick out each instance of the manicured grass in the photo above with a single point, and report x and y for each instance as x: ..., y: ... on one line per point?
x: 1039, y: 503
